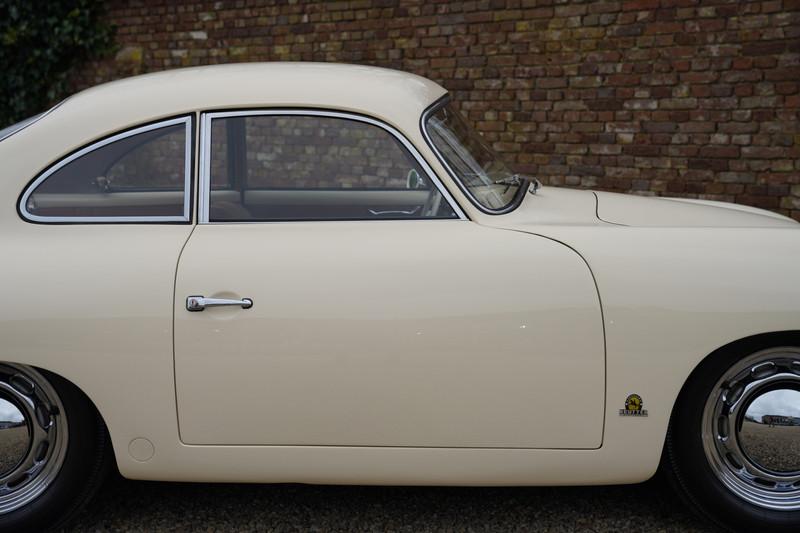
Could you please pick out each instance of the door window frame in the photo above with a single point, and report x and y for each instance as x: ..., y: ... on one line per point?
x: 188, y: 164
x: 204, y: 186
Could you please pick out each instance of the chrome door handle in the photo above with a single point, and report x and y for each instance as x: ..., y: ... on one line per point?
x: 198, y: 303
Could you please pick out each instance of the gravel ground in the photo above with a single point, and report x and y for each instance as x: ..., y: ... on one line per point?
x: 776, y: 446
x: 124, y: 505
x: 14, y: 444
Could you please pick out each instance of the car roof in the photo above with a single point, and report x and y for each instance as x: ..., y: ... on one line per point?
x: 394, y: 97
x: 389, y: 95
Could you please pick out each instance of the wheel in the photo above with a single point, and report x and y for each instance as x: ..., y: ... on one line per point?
x: 53, y: 449
x: 733, y: 447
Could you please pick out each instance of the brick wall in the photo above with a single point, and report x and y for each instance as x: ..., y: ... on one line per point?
x: 675, y: 97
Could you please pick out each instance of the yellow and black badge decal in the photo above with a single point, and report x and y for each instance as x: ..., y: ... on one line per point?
x: 633, y: 406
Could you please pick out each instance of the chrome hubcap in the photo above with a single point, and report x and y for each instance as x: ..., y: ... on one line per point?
x: 33, y: 436
x: 770, y: 432
x: 751, y: 429
x: 15, y: 439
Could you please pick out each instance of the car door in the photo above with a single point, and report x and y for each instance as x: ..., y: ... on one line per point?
x: 334, y: 294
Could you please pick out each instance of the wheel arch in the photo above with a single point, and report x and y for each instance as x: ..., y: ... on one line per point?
x: 675, y: 466
x: 735, y: 348
x: 48, y: 372
x: 731, y: 350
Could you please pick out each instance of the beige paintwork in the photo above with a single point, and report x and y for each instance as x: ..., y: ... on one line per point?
x: 96, y: 304
x: 392, y: 338
x: 644, y: 211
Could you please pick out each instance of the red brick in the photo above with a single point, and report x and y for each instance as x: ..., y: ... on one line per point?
x: 663, y: 27
x: 699, y: 77
x: 786, y: 87
x: 624, y: 79
x: 786, y: 73
x: 551, y: 83
x: 763, y: 152
x: 640, y: 5
x: 763, y: 48
x: 719, y: 151
x: 604, y: 6
x: 700, y: 91
x: 660, y: 127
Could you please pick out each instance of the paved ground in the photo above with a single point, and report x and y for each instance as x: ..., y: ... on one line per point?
x: 146, y: 506
x: 12, y: 446
x: 777, y: 446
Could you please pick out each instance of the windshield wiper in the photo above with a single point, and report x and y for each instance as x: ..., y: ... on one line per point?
x: 513, y: 179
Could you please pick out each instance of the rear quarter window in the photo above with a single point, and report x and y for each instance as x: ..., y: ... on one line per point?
x: 139, y: 175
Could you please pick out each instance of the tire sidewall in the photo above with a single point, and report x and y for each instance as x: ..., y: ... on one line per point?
x: 689, y: 462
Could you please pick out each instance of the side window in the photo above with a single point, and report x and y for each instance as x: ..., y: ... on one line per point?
x: 140, y: 175
x: 307, y: 167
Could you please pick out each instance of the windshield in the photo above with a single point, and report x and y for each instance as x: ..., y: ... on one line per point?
x: 484, y: 176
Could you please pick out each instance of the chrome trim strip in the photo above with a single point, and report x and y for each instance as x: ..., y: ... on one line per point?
x: 187, y: 121
x: 187, y: 169
x: 30, y: 121
x: 7, y: 132
x: 454, y: 176
x: 205, y: 154
x: 204, y: 185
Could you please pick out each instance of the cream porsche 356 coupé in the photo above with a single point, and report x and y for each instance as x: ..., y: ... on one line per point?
x: 319, y: 273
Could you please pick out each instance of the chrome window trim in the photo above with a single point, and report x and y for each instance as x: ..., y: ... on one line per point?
x: 187, y: 192
x: 515, y: 202
x: 7, y: 132
x: 30, y: 121
x: 205, y: 159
